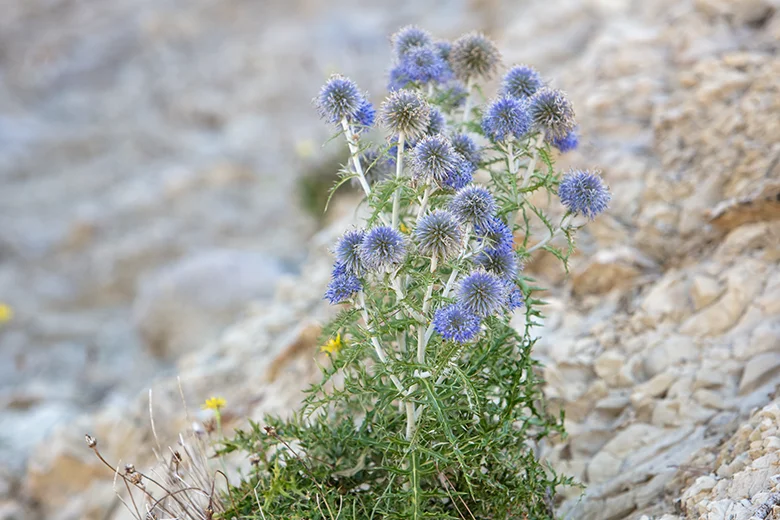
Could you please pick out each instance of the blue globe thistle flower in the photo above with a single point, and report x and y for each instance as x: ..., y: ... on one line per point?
x: 382, y: 248
x: 424, y: 65
x: 506, y: 117
x: 438, y: 234
x: 455, y: 323
x: 473, y: 205
x: 339, y: 98
x: 552, y: 113
x: 568, y: 143
x: 408, y: 38
x: 474, y: 55
x: 406, y: 111
x: 496, y: 234
x: 342, y: 287
x: 433, y: 158
x: 465, y: 146
x: 365, y: 115
x: 520, y: 82
x: 436, y: 122
x: 583, y: 192
x: 515, y: 299
x: 461, y: 176
x: 347, y: 251
x: 482, y: 293
x: 398, y: 78
x: 501, y: 262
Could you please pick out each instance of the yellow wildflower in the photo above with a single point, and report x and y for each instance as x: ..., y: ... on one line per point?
x: 214, y: 403
x: 333, y: 345
x: 6, y: 313
x: 403, y: 228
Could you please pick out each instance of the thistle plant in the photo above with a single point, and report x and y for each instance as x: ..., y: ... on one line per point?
x: 431, y: 406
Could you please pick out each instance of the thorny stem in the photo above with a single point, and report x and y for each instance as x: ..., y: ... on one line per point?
x: 529, y: 171
x: 424, y: 203
x: 421, y: 339
x: 380, y: 352
x: 564, y: 222
x: 354, y: 153
x: 399, y: 167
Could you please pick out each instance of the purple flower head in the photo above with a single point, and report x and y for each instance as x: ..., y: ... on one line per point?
x: 583, y: 192
x: 496, y: 234
x: 473, y: 205
x: 434, y: 159
x: 461, y: 176
x: 552, y: 113
x: 500, y: 262
x: 505, y: 118
x: 339, y: 98
x: 424, y: 65
x: 398, y: 79
x: 342, y: 287
x: 347, y: 251
x: 365, y: 116
x: 520, y: 82
x: 568, y: 143
x: 438, y: 234
x: 382, y: 248
x: 408, y: 38
x: 455, y: 323
x: 474, y: 55
x: 465, y: 145
x: 482, y: 293
x: 515, y: 299
x: 406, y: 111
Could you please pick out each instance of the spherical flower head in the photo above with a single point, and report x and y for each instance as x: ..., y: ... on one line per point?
x: 552, y: 113
x: 496, y: 234
x: 423, y: 64
x: 515, y: 298
x: 474, y: 55
x: 465, y: 146
x: 406, y: 111
x: 473, y: 205
x: 436, y: 122
x: 438, y: 234
x: 583, y: 192
x: 520, y: 82
x: 347, y: 251
x: 339, y: 98
x: 568, y: 143
x: 505, y: 118
x: 434, y: 159
x: 461, y: 176
x: 342, y: 287
x: 382, y: 248
x: 408, y: 38
x: 365, y: 116
x: 398, y: 78
x: 500, y: 261
x: 482, y: 293
x: 455, y: 323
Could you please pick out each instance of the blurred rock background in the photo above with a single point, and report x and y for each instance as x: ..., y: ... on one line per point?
x: 151, y: 162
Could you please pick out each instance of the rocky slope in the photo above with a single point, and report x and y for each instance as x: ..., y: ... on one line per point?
x: 663, y: 346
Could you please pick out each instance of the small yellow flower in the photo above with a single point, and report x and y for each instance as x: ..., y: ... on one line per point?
x: 6, y: 313
x: 214, y: 403
x: 333, y: 345
x: 403, y: 228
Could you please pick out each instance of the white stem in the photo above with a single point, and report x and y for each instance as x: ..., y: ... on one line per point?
x: 552, y: 235
x: 430, y: 89
x: 353, y: 150
x: 422, y: 342
x: 424, y: 203
x: 380, y: 352
x: 410, y: 420
x: 467, y: 105
x: 529, y: 171
x: 399, y: 167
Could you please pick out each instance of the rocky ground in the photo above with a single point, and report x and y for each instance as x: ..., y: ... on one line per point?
x: 663, y: 346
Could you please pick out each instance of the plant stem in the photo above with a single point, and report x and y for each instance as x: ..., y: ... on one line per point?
x: 424, y: 203
x: 380, y: 352
x: 529, y: 171
x: 354, y: 153
x: 467, y: 105
x: 552, y: 234
x: 399, y: 167
x: 422, y: 342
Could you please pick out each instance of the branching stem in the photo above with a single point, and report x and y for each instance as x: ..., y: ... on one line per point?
x: 399, y: 168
